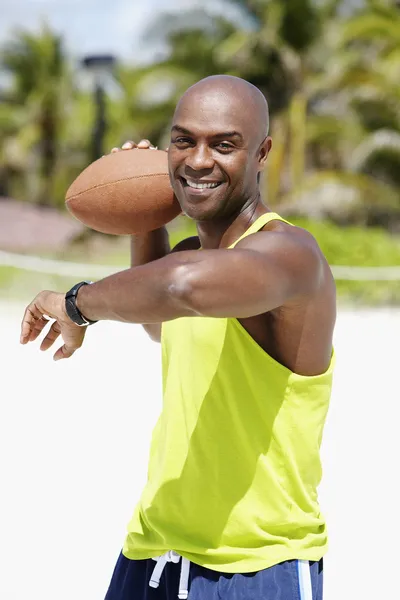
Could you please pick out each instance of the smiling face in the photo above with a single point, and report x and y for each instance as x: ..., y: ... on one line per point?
x: 218, y: 147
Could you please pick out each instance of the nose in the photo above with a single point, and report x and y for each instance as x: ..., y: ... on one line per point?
x: 200, y: 158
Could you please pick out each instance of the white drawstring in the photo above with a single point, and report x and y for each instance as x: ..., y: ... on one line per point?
x: 184, y: 579
x: 161, y: 561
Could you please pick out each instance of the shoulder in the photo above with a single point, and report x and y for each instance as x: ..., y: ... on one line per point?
x: 191, y: 243
x: 278, y: 237
x: 291, y: 248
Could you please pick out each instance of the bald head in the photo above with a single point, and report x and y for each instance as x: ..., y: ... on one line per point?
x: 228, y: 95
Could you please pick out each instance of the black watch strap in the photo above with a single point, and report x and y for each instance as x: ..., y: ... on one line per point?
x: 71, y: 308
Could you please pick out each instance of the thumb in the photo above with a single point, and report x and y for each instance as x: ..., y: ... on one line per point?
x: 64, y: 352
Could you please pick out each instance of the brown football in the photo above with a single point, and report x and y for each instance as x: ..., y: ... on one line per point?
x: 125, y: 192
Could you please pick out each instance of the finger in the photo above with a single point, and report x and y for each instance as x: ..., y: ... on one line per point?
x: 64, y: 352
x: 128, y: 145
x: 113, y: 150
x: 144, y: 144
x: 53, y: 334
x: 37, y: 329
x: 32, y: 324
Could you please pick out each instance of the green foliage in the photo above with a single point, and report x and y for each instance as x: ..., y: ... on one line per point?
x: 38, y: 100
x: 7, y: 276
x: 355, y: 246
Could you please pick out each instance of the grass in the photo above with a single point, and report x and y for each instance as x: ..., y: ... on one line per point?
x: 355, y: 246
x: 21, y: 285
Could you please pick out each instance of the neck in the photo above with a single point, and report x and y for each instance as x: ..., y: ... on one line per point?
x: 222, y: 233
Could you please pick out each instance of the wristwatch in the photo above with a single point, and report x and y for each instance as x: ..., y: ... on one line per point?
x: 71, y: 308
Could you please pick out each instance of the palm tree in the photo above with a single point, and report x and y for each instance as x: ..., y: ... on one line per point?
x: 353, y: 125
x: 274, y: 44
x: 373, y: 87
x: 337, y: 109
x: 39, y: 99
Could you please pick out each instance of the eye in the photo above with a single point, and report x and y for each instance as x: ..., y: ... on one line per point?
x: 224, y: 147
x: 182, y: 141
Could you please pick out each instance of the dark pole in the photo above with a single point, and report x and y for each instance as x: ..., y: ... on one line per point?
x: 100, y: 123
x: 100, y: 66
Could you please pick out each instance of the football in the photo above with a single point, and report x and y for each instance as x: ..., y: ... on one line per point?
x: 125, y: 192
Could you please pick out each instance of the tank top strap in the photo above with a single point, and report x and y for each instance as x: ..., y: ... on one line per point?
x: 259, y: 224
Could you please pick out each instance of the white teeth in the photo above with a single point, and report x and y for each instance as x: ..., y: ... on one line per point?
x: 202, y: 186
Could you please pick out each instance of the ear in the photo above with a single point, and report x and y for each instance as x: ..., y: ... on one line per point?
x: 263, y: 152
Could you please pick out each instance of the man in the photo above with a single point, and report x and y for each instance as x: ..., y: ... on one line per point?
x: 245, y: 312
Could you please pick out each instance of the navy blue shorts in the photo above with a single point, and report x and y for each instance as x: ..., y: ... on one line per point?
x: 290, y: 580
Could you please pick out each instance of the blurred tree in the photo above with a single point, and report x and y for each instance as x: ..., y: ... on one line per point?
x: 353, y: 128
x: 39, y: 100
x: 373, y: 87
x: 330, y: 75
x: 276, y: 50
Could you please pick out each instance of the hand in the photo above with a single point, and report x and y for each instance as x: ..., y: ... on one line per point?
x: 142, y: 145
x: 36, y: 317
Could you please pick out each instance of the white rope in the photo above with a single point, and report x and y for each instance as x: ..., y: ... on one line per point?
x: 366, y: 273
x: 72, y: 269
x: 56, y: 267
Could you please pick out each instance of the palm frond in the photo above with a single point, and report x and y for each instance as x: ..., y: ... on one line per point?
x: 378, y: 143
x: 373, y: 26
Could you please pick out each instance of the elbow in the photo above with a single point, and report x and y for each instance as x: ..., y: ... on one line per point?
x: 183, y: 291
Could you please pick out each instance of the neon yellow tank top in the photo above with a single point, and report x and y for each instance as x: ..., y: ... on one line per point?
x: 234, y: 462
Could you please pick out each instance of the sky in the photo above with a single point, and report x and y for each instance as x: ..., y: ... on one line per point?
x: 101, y: 26
x: 93, y: 26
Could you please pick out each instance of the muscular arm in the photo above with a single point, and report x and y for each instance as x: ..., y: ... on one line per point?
x: 264, y: 271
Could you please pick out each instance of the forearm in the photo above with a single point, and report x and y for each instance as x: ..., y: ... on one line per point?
x: 144, y: 294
